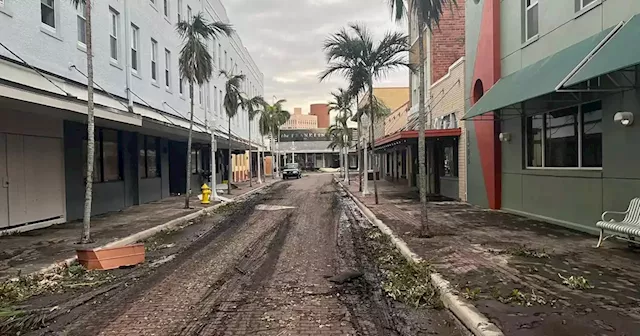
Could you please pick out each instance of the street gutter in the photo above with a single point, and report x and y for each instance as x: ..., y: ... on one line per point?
x: 472, y: 319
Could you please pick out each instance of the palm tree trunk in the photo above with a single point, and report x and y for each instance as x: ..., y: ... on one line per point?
x: 250, y: 167
x: 187, y: 192
x: 272, y: 146
x: 260, y: 161
x: 372, y: 136
x: 214, y: 175
x: 88, y: 191
x: 230, y: 169
x: 360, y: 156
x: 422, y: 171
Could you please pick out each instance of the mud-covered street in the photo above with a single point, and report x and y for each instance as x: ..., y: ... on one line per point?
x: 296, y: 259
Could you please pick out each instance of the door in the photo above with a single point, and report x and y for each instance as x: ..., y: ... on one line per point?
x: 4, y: 183
x: 36, y: 181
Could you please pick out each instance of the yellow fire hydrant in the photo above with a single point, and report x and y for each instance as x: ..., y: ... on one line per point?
x: 206, y: 194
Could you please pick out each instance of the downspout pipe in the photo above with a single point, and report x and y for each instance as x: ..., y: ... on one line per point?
x: 127, y: 38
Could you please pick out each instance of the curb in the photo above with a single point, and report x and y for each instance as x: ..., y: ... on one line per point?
x: 477, y: 323
x: 142, y: 235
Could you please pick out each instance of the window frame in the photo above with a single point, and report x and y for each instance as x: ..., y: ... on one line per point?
x: 580, y: 135
x: 99, y: 156
x: 55, y: 16
x: 167, y: 69
x: 583, y: 6
x: 158, y: 161
x: 533, y: 4
x: 166, y: 9
x: 114, y: 23
x: 81, y: 15
x: 180, y: 3
x: 154, y: 61
x: 135, y: 48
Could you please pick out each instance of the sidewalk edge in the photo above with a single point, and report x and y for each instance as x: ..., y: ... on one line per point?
x: 142, y: 235
x: 477, y: 323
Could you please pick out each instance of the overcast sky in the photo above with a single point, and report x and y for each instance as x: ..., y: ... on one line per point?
x: 285, y: 39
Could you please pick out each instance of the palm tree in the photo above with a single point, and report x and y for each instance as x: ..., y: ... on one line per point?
x: 232, y: 101
x: 353, y: 51
x: 196, y: 66
x: 88, y: 187
x: 339, y: 134
x: 427, y: 13
x: 273, y: 116
x: 253, y: 106
x: 342, y: 104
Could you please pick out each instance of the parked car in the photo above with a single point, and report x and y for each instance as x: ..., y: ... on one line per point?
x: 291, y: 170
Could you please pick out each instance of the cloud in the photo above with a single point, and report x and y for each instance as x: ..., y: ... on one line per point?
x: 285, y: 39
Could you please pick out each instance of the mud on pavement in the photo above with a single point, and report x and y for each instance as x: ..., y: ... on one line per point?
x: 268, y: 267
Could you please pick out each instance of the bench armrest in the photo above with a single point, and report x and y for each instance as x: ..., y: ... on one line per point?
x: 612, y: 212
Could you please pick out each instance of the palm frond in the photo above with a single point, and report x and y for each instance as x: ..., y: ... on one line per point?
x: 195, y: 63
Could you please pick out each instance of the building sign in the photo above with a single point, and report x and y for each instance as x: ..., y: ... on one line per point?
x: 313, y: 134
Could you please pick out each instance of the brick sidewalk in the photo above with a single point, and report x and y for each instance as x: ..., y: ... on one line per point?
x: 31, y: 251
x: 516, y: 263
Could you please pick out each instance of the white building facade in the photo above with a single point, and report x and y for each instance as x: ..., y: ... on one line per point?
x: 142, y: 106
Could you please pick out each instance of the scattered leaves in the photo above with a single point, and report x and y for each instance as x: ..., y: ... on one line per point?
x: 404, y: 281
x: 523, y: 299
x: 471, y: 294
x: 576, y: 282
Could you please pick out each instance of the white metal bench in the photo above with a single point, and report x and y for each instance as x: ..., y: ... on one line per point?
x: 629, y: 226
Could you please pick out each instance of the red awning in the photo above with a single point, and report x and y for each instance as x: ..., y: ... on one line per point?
x: 432, y: 133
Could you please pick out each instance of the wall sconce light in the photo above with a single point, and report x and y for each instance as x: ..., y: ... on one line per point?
x: 625, y: 118
x: 504, y: 137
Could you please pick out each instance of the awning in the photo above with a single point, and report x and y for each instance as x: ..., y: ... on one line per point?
x: 538, y: 79
x: 430, y: 133
x: 620, y: 52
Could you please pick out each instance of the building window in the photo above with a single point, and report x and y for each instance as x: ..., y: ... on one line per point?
x: 195, y: 161
x: 48, y: 13
x: 135, y: 42
x: 531, y: 19
x: 107, y: 156
x: 561, y: 138
x: 149, y: 158
x: 82, y: 23
x: 189, y: 14
x: 113, y: 35
x: 219, y: 56
x: 179, y: 10
x: 181, y: 85
x: 226, y: 65
x: 572, y: 138
x: 167, y: 69
x: 213, y: 52
x: 215, y: 100
x: 200, y: 95
x: 154, y: 60
x: 220, y: 99
x: 592, y: 134
x: 585, y: 3
x: 166, y: 8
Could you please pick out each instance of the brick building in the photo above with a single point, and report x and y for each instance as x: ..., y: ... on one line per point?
x: 321, y: 111
x: 444, y: 49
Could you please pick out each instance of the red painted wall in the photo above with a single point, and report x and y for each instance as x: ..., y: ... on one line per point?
x: 447, y: 42
x: 322, y: 112
x: 487, y: 72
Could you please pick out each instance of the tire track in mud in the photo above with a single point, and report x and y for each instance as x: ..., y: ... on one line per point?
x: 89, y: 321
x: 254, y: 268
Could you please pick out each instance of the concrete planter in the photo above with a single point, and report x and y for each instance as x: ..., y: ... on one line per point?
x: 111, y: 257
